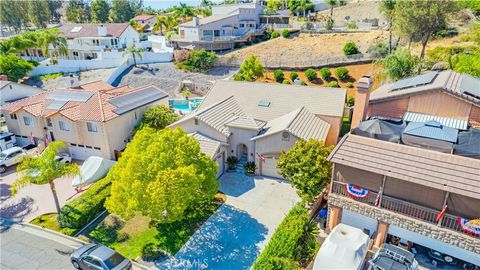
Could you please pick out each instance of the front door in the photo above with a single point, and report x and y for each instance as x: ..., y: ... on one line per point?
x: 52, y: 138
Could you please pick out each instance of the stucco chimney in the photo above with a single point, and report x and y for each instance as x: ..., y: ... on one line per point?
x: 102, y: 30
x: 196, y: 21
x: 362, y: 98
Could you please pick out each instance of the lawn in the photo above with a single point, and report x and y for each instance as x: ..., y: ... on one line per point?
x: 50, y: 221
x: 130, y: 237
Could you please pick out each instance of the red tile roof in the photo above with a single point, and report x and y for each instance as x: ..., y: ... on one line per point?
x: 91, y: 30
x: 96, y: 108
x: 143, y: 17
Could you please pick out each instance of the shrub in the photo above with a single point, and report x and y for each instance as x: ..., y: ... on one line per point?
x: 311, y: 74
x: 250, y: 70
x: 285, y: 33
x: 350, y: 48
x: 352, y: 25
x: 293, y: 76
x: 378, y: 50
x: 293, y: 242
x: 342, y: 73
x: 77, y: 213
x: 278, y: 75
x: 325, y: 73
x: 274, y: 34
x: 333, y: 84
x: 250, y: 167
x: 349, y: 84
x: 114, y: 222
x: 199, y: 61
x: 328, y: 23
x: 151, y: 252
x: 444, y: 33
x: 351, y: 101
x: 286, y: 81
x: 232, y: 162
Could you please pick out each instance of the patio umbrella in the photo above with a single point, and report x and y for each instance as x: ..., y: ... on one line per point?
x: 381, y: 129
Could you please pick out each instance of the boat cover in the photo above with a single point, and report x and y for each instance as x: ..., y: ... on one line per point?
x: 92, y: 170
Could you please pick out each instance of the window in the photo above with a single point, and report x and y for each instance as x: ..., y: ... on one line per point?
x: 93, y: 262
x: 196, y: 121
x: 88, y: 146
x: 73, y: 144
x: 49, y: 122
x: 75, y: 53
x: 91, y: 127
x: 13, y: 116
x: 81, y: 145
x: 28, y: 121
x: 96, y: 148
x: 63, y: 126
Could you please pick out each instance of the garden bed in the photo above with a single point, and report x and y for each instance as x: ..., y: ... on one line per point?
x: 50, y: 221
x: 132, y: 236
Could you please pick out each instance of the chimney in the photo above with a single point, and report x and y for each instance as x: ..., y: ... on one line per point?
x: 196, y: 21
x: 102, y: 30
x: 72, y: 82
x: 362, y: 98
x: 3, y: 77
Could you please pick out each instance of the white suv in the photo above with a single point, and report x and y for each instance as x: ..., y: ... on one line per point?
x: 10, y: 157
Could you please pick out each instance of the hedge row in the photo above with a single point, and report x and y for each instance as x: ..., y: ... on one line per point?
x: 287, y: 248
x: 77, y: 213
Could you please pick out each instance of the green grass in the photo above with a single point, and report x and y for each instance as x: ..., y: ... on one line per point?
x: 50, y: 221
x: 130, y: 237
x: 47, y: 77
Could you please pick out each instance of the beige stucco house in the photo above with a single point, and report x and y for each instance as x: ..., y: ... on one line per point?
x: 257, y: 121
x: 94, y: 119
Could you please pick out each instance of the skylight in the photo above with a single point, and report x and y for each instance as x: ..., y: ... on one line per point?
x: 264, y: 103
x: 76, y: 29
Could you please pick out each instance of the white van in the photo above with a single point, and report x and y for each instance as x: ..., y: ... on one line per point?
x: 7, y: 140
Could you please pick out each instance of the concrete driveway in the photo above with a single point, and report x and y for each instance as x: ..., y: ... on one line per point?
x: 234, y: 236
x: 32, y: 200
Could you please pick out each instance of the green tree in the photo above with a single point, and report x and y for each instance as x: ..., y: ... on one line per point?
x: 161, y: 174
x: 332, y: 4
x: 77, y: 11
x: 199, y: 61
x: 100, y: 11
x: 469, y: 64
x: 250, y: 70
x: 53, y: 6
x: 14, y: 14
x: 306, y: 166
x: 350, y: 48
x: 38, y: 13
x: 162, y: 22
x: 297, y: 6
x: 134, y: 52
x: 158, y: 117
x: 423, y: 17
x: 14, y: 67
x: 399, y: 64
x: 121, y: 11
x: 473, y: 32
x: 186, y: 93
x: 184, y: 11
x: 387, y: 8
x: 44, y: 169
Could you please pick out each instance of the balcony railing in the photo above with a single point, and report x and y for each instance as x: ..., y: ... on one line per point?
x: 403, y: 207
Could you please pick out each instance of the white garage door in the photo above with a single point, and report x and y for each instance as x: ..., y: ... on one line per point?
x: 269, y: 168
x: 84, y: 152
x: 221, y: 165
x: 359, y: 221
x: 434, y: 244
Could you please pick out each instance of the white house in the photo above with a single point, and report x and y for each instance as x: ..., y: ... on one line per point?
x: 257, y: 121
x: 87, y: 41
x: 227, y: 25
x: 11, y: 91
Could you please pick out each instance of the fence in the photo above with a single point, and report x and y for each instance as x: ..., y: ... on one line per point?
x: 285, y: 62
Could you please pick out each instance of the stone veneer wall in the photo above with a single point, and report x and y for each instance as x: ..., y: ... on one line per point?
x: 445, y: 235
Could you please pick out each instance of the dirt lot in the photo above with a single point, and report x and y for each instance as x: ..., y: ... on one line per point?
x: 305, y: 45
x: 357, y: 10
x: 355, y: 72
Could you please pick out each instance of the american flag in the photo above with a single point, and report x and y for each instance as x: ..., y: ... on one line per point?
x: 261, y: 157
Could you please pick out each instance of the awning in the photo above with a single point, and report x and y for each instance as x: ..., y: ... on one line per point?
x: 446, y: 121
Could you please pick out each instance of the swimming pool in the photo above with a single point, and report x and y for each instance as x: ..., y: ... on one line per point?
x: 185, y: 105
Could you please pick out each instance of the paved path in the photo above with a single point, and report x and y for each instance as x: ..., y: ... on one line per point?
x: 33, y: 200
x: 25, y: 248
x: 234, y: 236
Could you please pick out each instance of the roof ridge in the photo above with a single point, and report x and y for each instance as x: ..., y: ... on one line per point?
x: 216, y: 104
x: 300, y: 109
x: 102, y: 112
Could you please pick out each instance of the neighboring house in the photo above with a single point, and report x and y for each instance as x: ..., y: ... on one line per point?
x: 446, y: 96
x: 257, y: 121
x: 227, y: 25
x: 146, y: 21
x: 394, y: 177
x: 11, y: 91
x: 87, y: 41
x: 94, y: 119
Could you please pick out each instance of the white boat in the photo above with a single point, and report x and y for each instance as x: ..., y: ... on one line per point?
x: 345, y: 248
x: 92, y: 170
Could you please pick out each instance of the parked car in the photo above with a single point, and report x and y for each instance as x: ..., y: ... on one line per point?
x: 7, y: 140
x: 391, y: 257
x: 10, y: 157
x: 64, y: 157
x: 99, y: 257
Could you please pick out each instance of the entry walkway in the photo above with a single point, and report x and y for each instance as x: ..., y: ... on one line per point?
x: 234, y: 236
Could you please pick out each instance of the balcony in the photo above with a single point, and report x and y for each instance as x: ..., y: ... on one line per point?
x: 403, y: 207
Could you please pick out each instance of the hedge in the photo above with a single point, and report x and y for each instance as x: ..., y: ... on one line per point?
x: 77, y: 213
x: 282, y: 252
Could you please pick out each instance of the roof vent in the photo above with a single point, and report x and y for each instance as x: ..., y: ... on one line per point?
x: 264, y: 103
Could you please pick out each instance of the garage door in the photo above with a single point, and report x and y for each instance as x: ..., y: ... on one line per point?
x: 82, y: 152
x: 359, y: 221
x: 438, y: 245
x: 221, y: 164
x: 269, y: 168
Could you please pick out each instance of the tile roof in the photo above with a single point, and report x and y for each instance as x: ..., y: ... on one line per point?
x: 143, y: 17
x: 443, y: 171
x: 91, y: 30
x: 449, y: 122
x: 207, y: 20
x: 447, y: 81
x: 96, y: 108
x: 208, y: 145
x: 246, y: 122
x: 432, y: 130
x: 283, y: 98
x: 300, y: 122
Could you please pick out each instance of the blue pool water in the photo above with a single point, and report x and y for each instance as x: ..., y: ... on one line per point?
x: 185, y: 105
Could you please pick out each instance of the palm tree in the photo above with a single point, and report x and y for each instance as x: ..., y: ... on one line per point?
x: 135, y: 52
x: 160, y: 23
x: 302, y: 5
x: 52, y: 37
x: 332, y: 3
x: 387, y: 7
x: 44, y: 169
x: 184, y: 11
